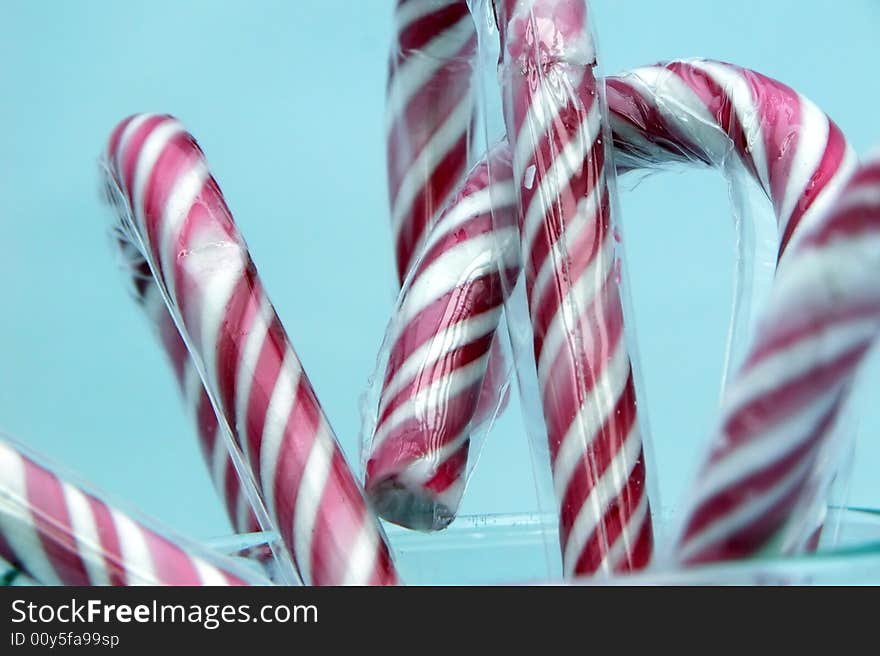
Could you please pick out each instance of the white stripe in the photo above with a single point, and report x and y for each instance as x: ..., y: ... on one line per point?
x: 362, y: 556
x: 308, y: 499
x: 209, y: 574
x: 151, y: 149
x: 137, y: 562
x: 275, y: 423
x: 608, y: 488
x: 16, y: 521
x: 86, y: 534
x: 215, y: 269
x: 591, y: 416
x: 182, y: 196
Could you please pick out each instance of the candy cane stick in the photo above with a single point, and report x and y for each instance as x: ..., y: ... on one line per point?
x: 439, y: 346
x: 821, y: 317
x: 220, y: 466
x: 554, y: 124
x: 183, y: 228
x: 59, y: 534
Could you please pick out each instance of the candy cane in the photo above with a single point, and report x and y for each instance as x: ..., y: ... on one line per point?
x: 554, y: 124
x: 220, y: 466
x: 183, y: 228
x: 822, y: 315
x: 439, y: 350
x: 59, y: 534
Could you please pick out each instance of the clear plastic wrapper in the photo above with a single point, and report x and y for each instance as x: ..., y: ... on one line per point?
x: 441, y: 359
x: 441, y: 377
x: 752, y: 128
x: 54, y: 531
x: 557, y: 127
x: 292, y: 471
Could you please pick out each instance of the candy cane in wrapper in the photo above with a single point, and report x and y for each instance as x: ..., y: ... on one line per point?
x: 554, y: 124
x: 220, y: 466
x: 821, y: 317
x: 59, y: 534
x: 439, y: 349
x: 183, y: 228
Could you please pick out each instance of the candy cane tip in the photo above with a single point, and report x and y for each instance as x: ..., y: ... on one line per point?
x: 410, y: 507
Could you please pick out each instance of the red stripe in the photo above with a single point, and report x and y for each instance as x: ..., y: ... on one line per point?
x: 421, y: 31
x: 449, y: 471
x: 172, y: 565
x: 111, y: 549
x: 48, y: 508
x: 827, y: 169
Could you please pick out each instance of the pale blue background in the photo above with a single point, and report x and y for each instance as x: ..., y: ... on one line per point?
x: 287, y: 100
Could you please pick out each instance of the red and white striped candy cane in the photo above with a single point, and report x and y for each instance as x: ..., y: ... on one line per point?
x: 702, y: 110
x: 780, y: 409
x: 220, y: 466
x: 554, y: 123
x: 183, y: 228
x: 439, y: 346
x: 59, y: 534
x: 429, y: 118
